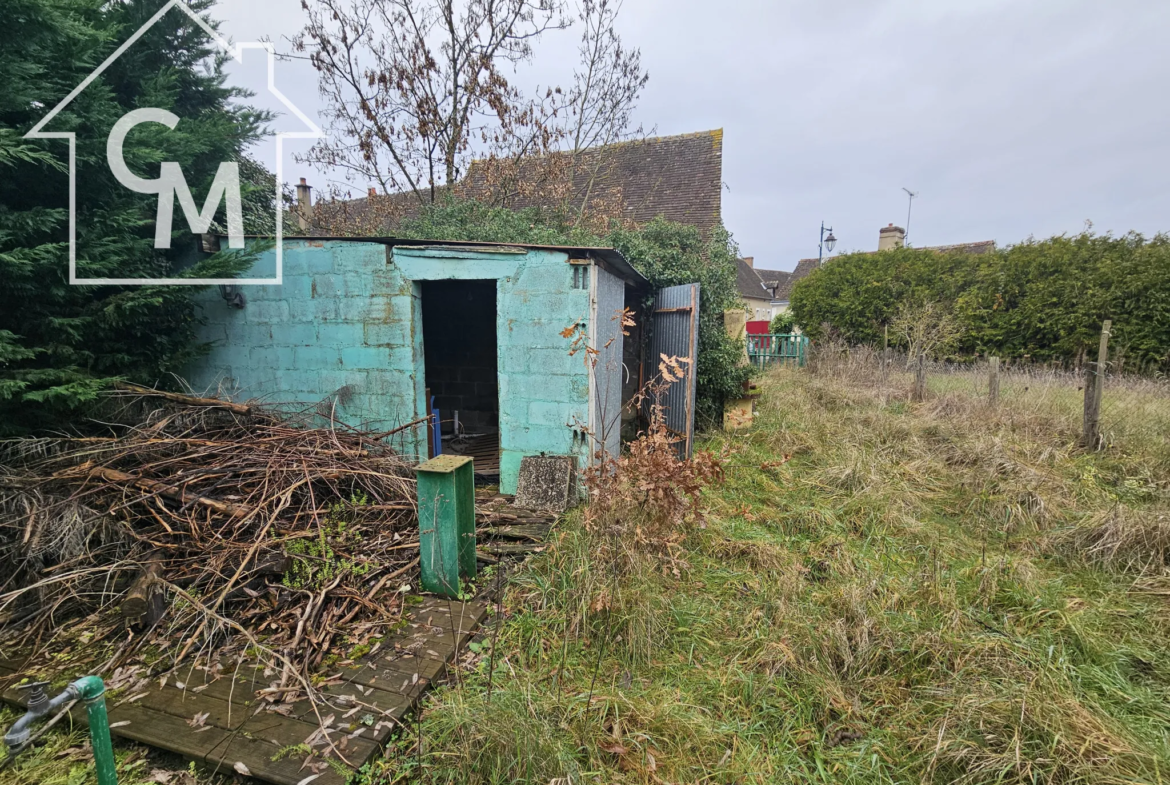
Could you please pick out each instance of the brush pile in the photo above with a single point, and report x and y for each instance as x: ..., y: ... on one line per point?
x: 204, y: 527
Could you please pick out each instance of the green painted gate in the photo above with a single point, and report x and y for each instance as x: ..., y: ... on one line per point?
x: 764, y: 350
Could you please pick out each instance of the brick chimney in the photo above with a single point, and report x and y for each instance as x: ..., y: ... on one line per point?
x: 304, y: 204
x: 751, y: 261
x: 891, y: 237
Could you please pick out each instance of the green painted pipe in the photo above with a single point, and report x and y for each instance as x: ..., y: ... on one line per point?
x: 92, y: 690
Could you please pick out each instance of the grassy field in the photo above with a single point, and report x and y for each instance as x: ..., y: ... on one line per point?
x: 882, y: 592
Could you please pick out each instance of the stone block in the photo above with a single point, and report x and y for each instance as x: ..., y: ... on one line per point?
x: 380, y: 334
x: 364, y: 357
x: 318, y: 358
x: 336, y: 334
x: 267, y: 312
x: 294, y: 335
x: 315, y: 260
x: 324, y: 287
x: 316, y: 311
x: 546, y: 413
x: 547, y: 482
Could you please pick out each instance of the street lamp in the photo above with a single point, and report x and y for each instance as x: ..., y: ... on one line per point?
x: 826, y: 242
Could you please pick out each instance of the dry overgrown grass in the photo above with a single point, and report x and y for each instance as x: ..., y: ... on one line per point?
x: 884, y: 592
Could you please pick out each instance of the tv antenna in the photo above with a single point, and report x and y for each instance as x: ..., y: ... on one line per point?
x: 912, y: 194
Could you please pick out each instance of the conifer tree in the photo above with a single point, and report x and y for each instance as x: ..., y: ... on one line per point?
x: 60, y: 345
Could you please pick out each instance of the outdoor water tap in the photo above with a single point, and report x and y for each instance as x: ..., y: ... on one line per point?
x: 89, y: 689
x: 38, y: 706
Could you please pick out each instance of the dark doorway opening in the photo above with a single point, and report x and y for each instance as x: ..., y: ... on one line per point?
x: 462, y: 373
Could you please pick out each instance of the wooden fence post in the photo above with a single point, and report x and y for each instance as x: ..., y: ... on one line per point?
x: 1094, y: 388
x: 993, y: 383
x: 885, y: 354
x: 920, y: 379
x: 1092, y: 423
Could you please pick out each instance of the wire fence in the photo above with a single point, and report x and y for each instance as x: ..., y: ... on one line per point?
x: 1100, y: 408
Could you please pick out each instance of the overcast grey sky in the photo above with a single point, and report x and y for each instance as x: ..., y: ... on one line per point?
x: 1009, y: 117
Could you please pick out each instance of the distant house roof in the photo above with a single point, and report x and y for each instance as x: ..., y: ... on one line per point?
x: 983, y: 246
x: 774, y: 279
x: 749, y: 283
x: 678, y: 177
x: 783, y: 288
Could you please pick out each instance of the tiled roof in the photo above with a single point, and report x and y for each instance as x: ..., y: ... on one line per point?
x: 376, y: 214
x: 749, y: 283
x: 803, y: 268
x: 983, y: 246
x: 677, y: 177
x: 773, y: 278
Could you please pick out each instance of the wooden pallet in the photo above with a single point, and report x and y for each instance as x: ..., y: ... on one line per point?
x: 362, y: 707
x: 485, y: 450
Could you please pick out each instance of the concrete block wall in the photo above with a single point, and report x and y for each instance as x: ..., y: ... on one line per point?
x: 328, y: 338
x: 543, y: 391
x: 348, y: 315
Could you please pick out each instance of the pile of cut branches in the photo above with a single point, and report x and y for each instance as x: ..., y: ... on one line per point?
x: 204, y: 527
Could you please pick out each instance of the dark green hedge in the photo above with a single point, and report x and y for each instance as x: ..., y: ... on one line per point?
x: 1043, y: 299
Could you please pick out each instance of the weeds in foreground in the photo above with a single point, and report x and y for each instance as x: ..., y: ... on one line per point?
x: 882, y: 592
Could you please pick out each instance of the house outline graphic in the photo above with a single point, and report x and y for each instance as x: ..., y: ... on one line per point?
x: 237, y: 53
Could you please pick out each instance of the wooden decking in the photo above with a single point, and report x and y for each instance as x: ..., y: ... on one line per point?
x: 485, y: 449
x: 214, y: 715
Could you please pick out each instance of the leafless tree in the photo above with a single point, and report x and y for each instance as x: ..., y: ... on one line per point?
x: 927, y: 328
x: 413, y: 88
x: 416, y: 90
x: 605, y: 93
x: 597, y: 112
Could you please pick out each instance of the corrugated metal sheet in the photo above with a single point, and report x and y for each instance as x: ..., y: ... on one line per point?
x: 606, y: 381
x: 675, y: 319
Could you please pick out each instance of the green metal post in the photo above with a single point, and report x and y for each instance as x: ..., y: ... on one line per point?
x: 446, y: 520
x: 92, y: 692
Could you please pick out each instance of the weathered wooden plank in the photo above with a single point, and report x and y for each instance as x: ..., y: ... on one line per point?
x: 301, y: 718
x: 161, y: 730
x: 267, y: 761
x: 406, y: 686
x: 284, y: 732
x: 366, y: 705
x: 191, y: 707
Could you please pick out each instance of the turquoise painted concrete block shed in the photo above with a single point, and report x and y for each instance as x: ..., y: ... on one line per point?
x: 369, y: 332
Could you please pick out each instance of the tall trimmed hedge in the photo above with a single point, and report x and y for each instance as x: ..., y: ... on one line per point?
x: 1041, y: 299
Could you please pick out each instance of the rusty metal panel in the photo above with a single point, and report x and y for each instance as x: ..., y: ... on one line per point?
x: 675, y: 326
